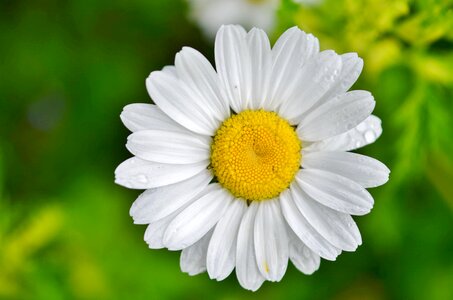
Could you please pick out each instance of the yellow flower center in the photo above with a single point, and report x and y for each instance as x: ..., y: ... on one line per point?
x: 255, y: 155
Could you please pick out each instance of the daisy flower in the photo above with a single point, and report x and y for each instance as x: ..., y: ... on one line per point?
x: 211, y: 14
x: 246, y: 167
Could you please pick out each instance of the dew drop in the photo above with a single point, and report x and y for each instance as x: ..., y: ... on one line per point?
x: 370, y: 136
x: 361, y: 127
x: 142, y: 178
x: 361, y: 159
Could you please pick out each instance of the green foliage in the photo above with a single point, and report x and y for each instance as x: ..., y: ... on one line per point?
x: 406, y: 46
x: 68, y: 68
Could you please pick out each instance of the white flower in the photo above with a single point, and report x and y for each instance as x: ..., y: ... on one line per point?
x: 211, y: 14
x: 268, y: 182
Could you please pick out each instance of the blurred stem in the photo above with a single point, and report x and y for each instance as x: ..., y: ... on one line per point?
x: 439, y: 169
x: 409, y: 145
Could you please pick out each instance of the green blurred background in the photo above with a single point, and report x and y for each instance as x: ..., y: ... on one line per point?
x: 68, y: 67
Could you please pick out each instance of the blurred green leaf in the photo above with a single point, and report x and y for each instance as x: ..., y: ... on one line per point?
x: 440, y: 172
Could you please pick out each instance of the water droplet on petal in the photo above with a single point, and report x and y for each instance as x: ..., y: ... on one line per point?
x: 142, y: 178
x: 361, y: 127
x: 370, y: 136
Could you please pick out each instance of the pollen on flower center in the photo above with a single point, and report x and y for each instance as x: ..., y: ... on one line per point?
x: 255, y: 154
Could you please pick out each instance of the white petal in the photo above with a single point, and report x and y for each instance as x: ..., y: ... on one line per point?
x: 335, y: 191
x: 136, y: 173
x: 155, y: 231
x: 142, y: 116
x: 171, y: 70
x: 199, y: 75
x: 304, y: 231
x: 338, y: 228
x: 316, y: 78
x: 261, y: 65
x: 336, y: 116
x: 363, y: 134
x: 247, y: 271
x: 289, y: 54
x: 193, y: 258
x: 271, y: 240
x: 366, y: 171
x: 233, y: 65
x: 301, y: 256
x: 179, y: 103
x: 169, y: 147
x: 350, y: 72
x: 221, y: 257
x: 309, y: 48
x: 157, y: 203
x: 198, y: 218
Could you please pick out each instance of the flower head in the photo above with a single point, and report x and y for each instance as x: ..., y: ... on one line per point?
x: 246, y: 166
